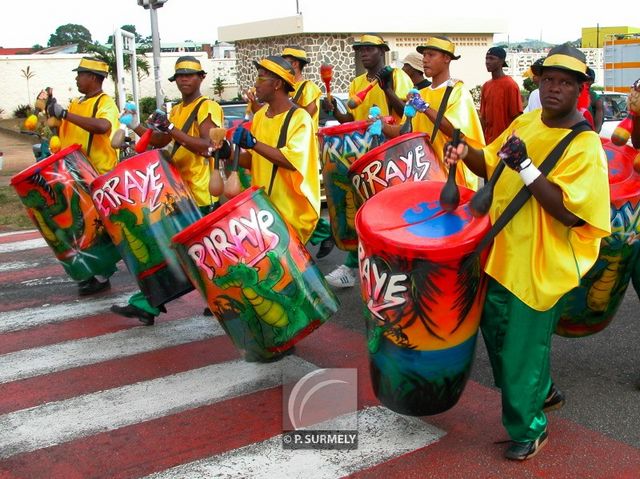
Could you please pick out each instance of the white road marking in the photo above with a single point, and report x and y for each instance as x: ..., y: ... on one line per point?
x: 70, y: 354
x: 18, y: 265
x: 45, y: 281
x: 12, y: 233
x: 62, y: 421
x: 22, y: 245
x: 382, y: 435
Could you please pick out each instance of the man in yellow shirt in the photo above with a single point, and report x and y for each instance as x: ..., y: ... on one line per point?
x: 281, y: 149
x: 544, y: 250
x: 90, y: 120
x: 307, y: 95
x: 389, y: 94
x: 188, y: 152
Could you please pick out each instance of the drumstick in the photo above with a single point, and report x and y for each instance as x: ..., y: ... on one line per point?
x: 359, y: 97
x: 232, y: 186
x: 142, y: 144
x: 482, y: 199
x: 326, y: 74
x: 450, y: 195
x: 216, y: 184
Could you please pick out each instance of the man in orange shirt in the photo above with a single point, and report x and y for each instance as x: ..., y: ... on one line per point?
x: 500, y: 101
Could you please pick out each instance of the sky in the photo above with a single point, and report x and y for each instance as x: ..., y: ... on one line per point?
x: 26, y: 23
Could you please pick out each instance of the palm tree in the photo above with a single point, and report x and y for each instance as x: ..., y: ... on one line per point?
x: 28, y: 74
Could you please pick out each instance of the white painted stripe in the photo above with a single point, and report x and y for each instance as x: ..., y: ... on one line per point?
x: 382, y: 436
x: 22, y: 245
x: 29, y: 283
x: 48, y: 314
x: 21, y: 232
x: 71, y: 354
x: 62, y: 421
x: 18, y: 265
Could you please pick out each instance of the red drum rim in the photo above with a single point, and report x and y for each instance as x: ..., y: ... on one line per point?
x: 360, y: 163
x: 625, y: 183
x: 343, y: 128
x: 39, y: 166
x: 216, y: 215
x: 375, y: 222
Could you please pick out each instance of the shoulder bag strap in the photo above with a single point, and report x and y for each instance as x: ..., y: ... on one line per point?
x: 298, y: 94
x: 282, y: 141
x: 187, y: 125
x: 441, y: 110
x: 523, y: 195
x: 93, y: 115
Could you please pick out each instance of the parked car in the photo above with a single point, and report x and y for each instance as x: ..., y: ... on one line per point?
x: 615, y: 110
x: 234, y: 112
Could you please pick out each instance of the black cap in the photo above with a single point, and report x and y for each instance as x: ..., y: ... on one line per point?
x: 499, y: 52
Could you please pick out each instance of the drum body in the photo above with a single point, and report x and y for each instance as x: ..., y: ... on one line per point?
x: 405, y: 158
x: 56, y: 193
x: 591, y: 306
x: 143, y: 202
x: 423, y: 292
x: 256, y: 276
x: 340, y: 146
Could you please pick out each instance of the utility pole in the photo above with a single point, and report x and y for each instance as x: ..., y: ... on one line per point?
x: 152, y: 6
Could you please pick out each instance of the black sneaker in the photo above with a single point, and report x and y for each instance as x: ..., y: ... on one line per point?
x: 130, y: 311
x: 521, y: 451
x: 554, y: 400
x: 326, y: 245
x: 207, y: 312
x: 92, y: 286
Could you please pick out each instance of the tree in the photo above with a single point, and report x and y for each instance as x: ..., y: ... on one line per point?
x: 218, y: 87
x: 131, y: 29
x: 28, y: 74
x: 71, y: 33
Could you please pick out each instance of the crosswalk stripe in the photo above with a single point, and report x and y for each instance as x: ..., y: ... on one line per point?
x: 383, y: 435
x: 22, y: 245
x: 32, y: 317
x: 57, y: 357
x: 58, y: 422
x: 16, y: 233
x: 17, y: 265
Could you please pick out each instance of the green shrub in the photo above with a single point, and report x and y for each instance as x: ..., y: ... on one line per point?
x: 22, y: 111
x: 147, y: 107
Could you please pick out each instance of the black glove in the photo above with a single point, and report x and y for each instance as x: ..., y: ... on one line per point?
x: 54, y: 109
x: 224, y: 151
x: 385, y: 77
x: 244, y: 138
x: 514, y: 153
x: 159, y: 121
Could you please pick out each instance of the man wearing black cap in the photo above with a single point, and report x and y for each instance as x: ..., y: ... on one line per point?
x: 193, y: 117
x: 533, y: 102
x: 500, y: 100
x: 550, y: 242
x: 90, y: 121
x: 281, y: 149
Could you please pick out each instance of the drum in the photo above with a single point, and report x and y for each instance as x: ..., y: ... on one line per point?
x: 55, y: 192
x: 255, y: 275
x: 405, y: 158
x: 340, y: 146
x: 423, y: 292
x: 143, y: 202
x: 591, y: 306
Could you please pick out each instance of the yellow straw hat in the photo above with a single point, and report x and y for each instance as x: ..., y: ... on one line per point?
x: 564, y: 57
x: 295, y: 52
x: 441, y: 44
x: 93, y: 65
x: 280, y: 67
x: 371, y: 40
x: 187, y: 65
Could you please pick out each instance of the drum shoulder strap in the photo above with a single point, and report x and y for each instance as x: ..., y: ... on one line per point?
x: 187, y: 125
x: 523, y: 195
x: 282, y: 141
x: 96, y: 105
x: 299, y: 92
x: 441, y: 109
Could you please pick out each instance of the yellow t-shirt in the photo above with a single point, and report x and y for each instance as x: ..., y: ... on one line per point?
x: 295, y: 193
x: 194, y: 168
x: 462, y: 114
x: 310, y: 94
x: 102, y: 155
x: 401, y: 86
x: 535, y: 256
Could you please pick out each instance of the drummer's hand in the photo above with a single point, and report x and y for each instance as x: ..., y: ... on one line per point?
x: 514, y: 153
x: 385, y: 77
x: 159, y: 121
x: 329, y: 106
x: 244, y: 138
x: 454, y: 154
x: 129, y: 116
x: 54, y: 109
x: 223, y: 148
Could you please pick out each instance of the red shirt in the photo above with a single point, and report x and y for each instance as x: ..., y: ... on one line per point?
x: 500, y: 104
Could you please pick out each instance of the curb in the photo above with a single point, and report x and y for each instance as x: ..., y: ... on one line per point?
x: 16, y: 134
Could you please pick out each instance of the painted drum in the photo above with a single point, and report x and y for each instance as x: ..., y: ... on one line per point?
x: 590, y: 307
x: 56, y: 193
x: 423, y: 291
x: 255, y: 275
x: 405, y: 158
x: 143, y: 202
x: 340, y: 146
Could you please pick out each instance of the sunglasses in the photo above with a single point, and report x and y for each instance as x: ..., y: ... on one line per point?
x: 260, y: 78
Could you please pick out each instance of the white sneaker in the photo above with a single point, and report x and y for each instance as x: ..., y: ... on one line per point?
x: 341, y: 277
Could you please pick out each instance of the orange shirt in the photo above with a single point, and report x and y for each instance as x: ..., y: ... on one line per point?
x: 500, y: 104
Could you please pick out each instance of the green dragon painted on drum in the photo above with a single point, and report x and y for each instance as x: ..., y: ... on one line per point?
x: 142, y: 251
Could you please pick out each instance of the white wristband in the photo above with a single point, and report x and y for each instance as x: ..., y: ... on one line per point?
x: 170, y: 127
x: 529, y: 173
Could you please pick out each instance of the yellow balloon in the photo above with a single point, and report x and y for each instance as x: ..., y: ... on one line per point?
x: 54, y: 144
x: 31, y: 122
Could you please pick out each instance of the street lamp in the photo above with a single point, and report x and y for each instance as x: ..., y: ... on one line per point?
x: 152, y: 6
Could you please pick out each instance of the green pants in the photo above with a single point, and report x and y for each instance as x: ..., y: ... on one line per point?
x: 351, y: 260
x: 138, y: 299
x: 518, y: 341
x: 321, y: 233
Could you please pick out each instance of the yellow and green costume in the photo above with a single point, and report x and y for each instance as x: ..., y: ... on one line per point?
x: 534, y: 261
x: 461, y: 113
x: 101, y: 154
x: 295, y: 193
